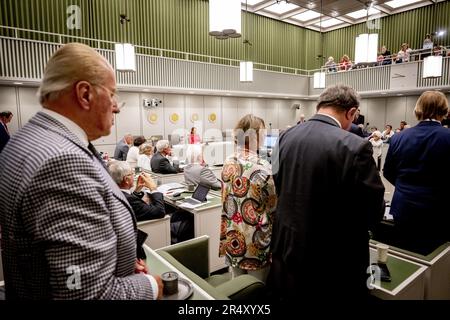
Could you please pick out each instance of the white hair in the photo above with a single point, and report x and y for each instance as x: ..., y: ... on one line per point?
x: 161, y: 145
x: 194, y: 153
x: 119, y: 170
x: 71, y: 63
x: 377, y: 133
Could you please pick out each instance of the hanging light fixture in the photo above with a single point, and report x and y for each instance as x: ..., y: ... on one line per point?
x: 246, y: 67
x: 432, y: 65
x: 246, y: 71
x: 125, y: 54
x: 366, y: 44
x: 319, y: 77
x: 225, y: 18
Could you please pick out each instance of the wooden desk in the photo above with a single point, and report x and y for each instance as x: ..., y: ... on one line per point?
x: 157, y: 265
x: 158, y: 231
x: 207, y: 222
x: 437, y: 276
x: 408, y: 279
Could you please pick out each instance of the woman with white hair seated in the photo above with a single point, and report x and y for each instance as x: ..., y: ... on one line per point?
x: 196, y: 172
x: 145, y: 155
x: 377, y: 145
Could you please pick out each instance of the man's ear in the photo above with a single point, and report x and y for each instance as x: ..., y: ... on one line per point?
x: 84, y: 94
x: 350, y: 114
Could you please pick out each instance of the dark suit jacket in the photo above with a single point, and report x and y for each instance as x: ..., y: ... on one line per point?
x: 121, y: 151
x: 417, y: 165
x: 329, y: 195
x: 356, y: 130
x: 4, y: 137
x: 359, y: 120
x: 144, y: 211
x: 161, y: 164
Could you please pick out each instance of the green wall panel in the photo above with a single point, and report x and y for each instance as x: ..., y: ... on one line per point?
x: 182, y: 25
x: 409, y: 26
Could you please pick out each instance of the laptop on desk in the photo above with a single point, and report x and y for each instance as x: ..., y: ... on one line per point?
x: 199, y: 195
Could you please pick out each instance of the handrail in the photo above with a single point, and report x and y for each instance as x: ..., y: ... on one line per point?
x: 184, y: 55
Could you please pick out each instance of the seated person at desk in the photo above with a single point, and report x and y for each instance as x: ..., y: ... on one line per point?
x: 145, y: 155
x: 196, y: 171
x: 145, y: 208
x: 159, y: 162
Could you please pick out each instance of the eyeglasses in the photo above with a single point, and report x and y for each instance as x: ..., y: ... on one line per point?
x: 113, y: 94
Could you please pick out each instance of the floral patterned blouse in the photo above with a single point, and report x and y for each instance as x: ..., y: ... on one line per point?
x: 249, y: 201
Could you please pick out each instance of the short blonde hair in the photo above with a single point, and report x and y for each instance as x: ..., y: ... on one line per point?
x: 145, y: 147
x: 71, y: 63
x: 431, y: 105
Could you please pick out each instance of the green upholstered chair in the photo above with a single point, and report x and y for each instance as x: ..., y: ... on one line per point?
x: 192, y: 259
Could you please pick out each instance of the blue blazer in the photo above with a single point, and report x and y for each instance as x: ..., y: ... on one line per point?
x: 417, y: 165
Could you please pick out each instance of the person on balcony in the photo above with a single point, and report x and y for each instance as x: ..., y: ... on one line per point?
x: 331, y: 65
x: 345, y: 63
x: 386, y: 55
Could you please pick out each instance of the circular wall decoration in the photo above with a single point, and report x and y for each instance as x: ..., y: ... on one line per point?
x: 212, y: 117
x: 174, y: 117
x: 194, y: 117
x: 152, y: 118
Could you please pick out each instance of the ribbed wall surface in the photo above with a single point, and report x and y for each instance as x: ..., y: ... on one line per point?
x: 180, y: 25
x: 362, y: 80
x: 409, y: 26
x: 26, y: 59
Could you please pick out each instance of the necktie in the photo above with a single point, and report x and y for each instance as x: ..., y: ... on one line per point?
x: 96, y: 154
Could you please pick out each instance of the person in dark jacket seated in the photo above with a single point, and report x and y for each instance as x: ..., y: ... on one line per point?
x: 145, y: 207
x: 159, y: 162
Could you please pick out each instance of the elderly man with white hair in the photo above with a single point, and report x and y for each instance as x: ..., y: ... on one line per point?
x: 159, y: 162
x: 145, y: 207
x: 196, y: 172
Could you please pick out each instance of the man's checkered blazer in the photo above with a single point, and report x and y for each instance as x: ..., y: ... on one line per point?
x: 67, y: 231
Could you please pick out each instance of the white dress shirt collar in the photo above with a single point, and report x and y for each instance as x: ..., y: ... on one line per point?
x: 327, y: 115
x: 69, y: 124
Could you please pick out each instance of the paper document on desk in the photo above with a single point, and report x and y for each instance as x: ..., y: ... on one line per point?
x: 164, y: 188
x: 190, y: 205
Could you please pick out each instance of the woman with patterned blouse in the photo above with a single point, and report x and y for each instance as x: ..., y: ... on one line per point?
x: 249, y: 202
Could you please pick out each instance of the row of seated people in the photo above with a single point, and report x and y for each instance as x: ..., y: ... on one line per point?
x: 405, y: 54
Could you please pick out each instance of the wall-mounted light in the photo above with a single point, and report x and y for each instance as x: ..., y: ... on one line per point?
x: 432, y: 67
x: 319, y: 80
x: 366, y: 47
x: 225, y: 18
x: 246, y: 71
x: 125, y: 57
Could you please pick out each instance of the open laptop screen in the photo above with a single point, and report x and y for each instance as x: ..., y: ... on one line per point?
x: 200, y: 193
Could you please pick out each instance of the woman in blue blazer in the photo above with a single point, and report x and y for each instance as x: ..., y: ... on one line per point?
x: 416, y: 164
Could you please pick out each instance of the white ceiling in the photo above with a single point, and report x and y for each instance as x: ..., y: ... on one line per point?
x: 335, y: 14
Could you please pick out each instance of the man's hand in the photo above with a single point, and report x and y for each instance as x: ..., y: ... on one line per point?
x: 160, y: 286
x: 140, y: 266
x: 148, y: 181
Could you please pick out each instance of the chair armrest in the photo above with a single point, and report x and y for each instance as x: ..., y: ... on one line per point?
x: 213, y: 292
x: 193, y: 254
x: 243, y: 287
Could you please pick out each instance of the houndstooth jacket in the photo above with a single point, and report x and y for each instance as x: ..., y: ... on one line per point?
x: 67, y: 231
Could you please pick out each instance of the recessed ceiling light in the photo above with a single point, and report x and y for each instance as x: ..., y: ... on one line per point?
x: 329, y: 23
x: 400, y: 3
x: 362, y: 13
x: 282, y: 7
x: 334, y: 13
x: 383, y: 93
x: 306, y: 16
x: 19, y: 83
x: 252, y: 2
